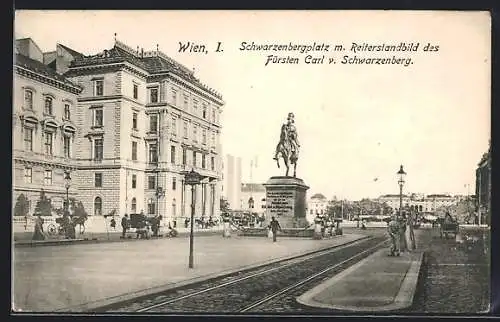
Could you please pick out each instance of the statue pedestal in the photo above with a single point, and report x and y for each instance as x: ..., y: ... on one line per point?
x: 286, y: 201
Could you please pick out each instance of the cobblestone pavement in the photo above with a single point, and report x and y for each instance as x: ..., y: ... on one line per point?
x: 455, y: 276
x: 237, y: 296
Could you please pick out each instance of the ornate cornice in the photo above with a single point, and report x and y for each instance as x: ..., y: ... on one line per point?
x: 74, y: 89
x: 201, y: 91
x: 188, y: 116
x: 105, y: 66
x: 115, y: 64
x: 94, y: 132
x: 68, y: 127
x: 44, y: 163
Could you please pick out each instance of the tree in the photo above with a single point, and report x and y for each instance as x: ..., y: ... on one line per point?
x: 224, y: 205
x: 386, y: 209
x: 22, y: 206
x: 43, y: 206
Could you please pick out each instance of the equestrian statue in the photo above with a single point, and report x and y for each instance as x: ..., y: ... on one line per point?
x: 288, y: 146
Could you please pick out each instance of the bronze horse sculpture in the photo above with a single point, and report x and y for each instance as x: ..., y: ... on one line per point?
x: 286, y: 152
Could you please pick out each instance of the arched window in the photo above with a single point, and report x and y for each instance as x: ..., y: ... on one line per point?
x: 97, y: 206
x: 48, y: 105
x: 28, y: 99
x: 133, y: 208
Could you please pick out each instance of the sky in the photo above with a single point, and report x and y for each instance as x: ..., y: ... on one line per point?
x: 356, y: 123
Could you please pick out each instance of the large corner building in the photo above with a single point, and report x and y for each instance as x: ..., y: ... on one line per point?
x: 44, y: 125
x: 138, y: 121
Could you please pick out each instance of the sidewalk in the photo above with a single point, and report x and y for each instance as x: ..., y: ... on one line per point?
x: 378, y: 283
x: 23, y: 239
x: 83, y: 277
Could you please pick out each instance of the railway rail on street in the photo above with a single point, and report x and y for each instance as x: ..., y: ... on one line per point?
x: 258, y: 289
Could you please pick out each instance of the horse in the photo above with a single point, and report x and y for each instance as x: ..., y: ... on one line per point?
x: 80, y: 220
x: 284, y: 150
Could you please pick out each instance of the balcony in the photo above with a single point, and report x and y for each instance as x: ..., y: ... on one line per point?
x: 152, y: 135
x: 100, y: 162
x: 135, y: 133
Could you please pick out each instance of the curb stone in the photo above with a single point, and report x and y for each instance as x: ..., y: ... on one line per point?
x: 403, y: 299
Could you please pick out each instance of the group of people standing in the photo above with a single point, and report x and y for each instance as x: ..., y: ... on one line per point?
x: 400, y: 230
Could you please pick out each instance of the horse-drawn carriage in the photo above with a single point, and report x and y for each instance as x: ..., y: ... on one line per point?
x: 145, y: 225
x: 447, y: 226
x: 65, y: 225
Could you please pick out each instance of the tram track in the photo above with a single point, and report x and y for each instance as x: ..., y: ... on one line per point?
x: 268, y: 299
x: 255, y: 288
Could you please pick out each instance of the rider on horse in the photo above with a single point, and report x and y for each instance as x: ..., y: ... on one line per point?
x: 288, y: 145
x: 293, y: 137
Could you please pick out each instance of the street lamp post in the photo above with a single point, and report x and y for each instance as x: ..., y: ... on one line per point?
x: 192, y: 178
x: 67, y: 179
x: 401, y: 173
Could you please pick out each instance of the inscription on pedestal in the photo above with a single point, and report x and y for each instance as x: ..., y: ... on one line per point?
x: 280, y: 203
x: 285, y: 200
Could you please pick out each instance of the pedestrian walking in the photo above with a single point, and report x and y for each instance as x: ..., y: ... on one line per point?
x: 317, y: 227
x: 124, y: 225
x: 274, y: 225
x: 155, y: 225
x: 393, y: 227
x: 409, y: 230
x: 38, y: 233
x: 226, y: 221
x: 402, y: 234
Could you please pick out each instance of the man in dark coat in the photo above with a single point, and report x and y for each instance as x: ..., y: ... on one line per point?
x: 124, y: 225
x: 274, y: 225
x: 394, y: 229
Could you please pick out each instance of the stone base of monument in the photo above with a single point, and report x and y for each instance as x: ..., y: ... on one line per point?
x: 286, y: 202
x: 285, y: 232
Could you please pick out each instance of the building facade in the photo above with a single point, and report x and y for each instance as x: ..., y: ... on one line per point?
x: 253, y: 197
x: 143, y: 120
x: 429, y: 203
x: 232, y: 181
x: 44, y: 127
x: 316, y: 205
x: 483, y: 185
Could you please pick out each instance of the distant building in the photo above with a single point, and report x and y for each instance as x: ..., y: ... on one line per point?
x: 483, y: 184
x: 253, y: 197
x: 422, y: 203
x: 316, y: 205
x: 232, y: 181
